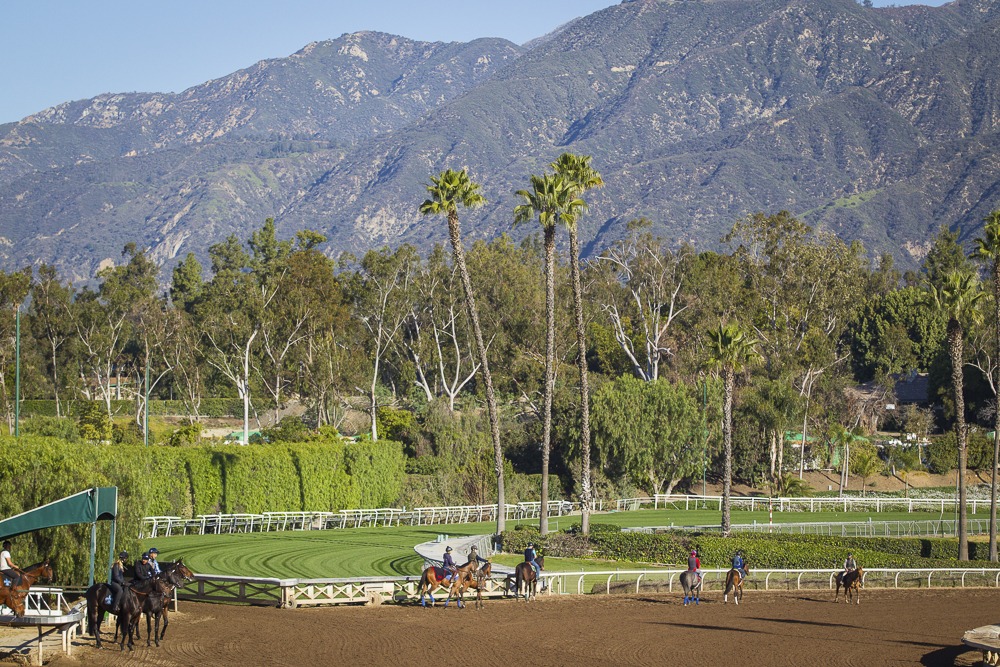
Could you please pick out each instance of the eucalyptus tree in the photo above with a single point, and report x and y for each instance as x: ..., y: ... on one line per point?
x: 730, y: 352
x: 380, y: 289
x: 14, y: 288
x: 51, y: 326
x: 580, y: 177
x: 957, y: 297
x: 987, y: 251
x: 552, y: 201
x: 449, y: 190
x: 650, y: 276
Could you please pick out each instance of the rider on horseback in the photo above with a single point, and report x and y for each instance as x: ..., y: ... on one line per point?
x: 143, y: 570
x: 850, y: 565
x: 739, y: 564
x: 474, y: 556
x: 448, y: 563
x: 117, y: 583
x: 694, y: 564
x: 11, y: 573
x: 529, y: 557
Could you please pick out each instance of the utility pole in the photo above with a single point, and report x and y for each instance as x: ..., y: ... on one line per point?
x: 17, y: 372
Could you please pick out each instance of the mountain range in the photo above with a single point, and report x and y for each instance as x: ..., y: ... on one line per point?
x: 878, y: 124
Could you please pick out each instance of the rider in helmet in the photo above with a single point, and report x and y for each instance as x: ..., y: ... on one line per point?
x: 694, y: 564
x: 475, y: 559
x: 850, y: 565
x: 448, y: 563
x: 143, y: 570
x: 117, y: 583
x: 739, y: 564
x: 530, y: 556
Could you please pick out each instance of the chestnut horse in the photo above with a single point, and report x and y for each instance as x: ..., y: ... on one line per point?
x: 473, y: 579
x: 525, y: 581
x: 434, y: 576
x: 13, y: 595
x: 851, y: 581
x: 734, y: 583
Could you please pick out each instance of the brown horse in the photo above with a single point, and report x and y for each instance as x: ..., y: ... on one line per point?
x: 525, y: 581
x: 851, y: 581
x: 473, y: 579
x: 156, y: 604
x: 734, y: 583
x: 13, y: 596
x: 434, y: 577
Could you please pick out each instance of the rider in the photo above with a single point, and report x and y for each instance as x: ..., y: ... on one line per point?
x: 694, y: 564
x: 143, y: 570
x: 117, y: 583
x: 850, y: 565
x: 153, y: 563
x: 530, y: 557
x: 475, y: 559
x: 8, y: 569
x: 739, y: 564
x: 448, y: 563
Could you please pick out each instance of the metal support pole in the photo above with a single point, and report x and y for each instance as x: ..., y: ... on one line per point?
x: 111, y: 551
x: 704, y: 441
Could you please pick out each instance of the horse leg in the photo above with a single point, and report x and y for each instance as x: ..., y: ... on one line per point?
x: 166, y: 617
x: 149, y: 631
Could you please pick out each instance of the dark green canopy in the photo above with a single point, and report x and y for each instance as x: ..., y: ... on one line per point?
x: 96, y: 504
x: 90, y: 506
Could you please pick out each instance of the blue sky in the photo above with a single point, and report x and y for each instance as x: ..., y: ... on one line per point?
x: 55, y: 51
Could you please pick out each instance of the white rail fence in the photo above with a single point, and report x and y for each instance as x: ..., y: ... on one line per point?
x: 360, y: 590
x: 872, y: 528
x: 165, y: 526
x: 839, y: 504
x: 205, y: 524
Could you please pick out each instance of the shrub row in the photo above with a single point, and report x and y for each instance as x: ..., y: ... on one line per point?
x: 761, y: 550
x: 186, y: 481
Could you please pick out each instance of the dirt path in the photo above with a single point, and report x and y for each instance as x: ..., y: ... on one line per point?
x: 888, y: 628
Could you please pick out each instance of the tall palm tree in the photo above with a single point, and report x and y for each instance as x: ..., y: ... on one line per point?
x: 957, y: 297
x: 580, y: 177
x: 550, y: 199
x: 731, y: 351
x: 449, y: 190
x: 987, y: 251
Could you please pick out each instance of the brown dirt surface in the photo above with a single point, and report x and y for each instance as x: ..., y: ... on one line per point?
x: 889, y: 627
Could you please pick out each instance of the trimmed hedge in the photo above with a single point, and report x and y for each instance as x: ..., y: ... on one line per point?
x: 761, y: 550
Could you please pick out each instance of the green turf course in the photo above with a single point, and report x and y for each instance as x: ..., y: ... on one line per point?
x: 368, y: 552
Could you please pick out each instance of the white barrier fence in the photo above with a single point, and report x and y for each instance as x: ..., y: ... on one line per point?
x: 763, y: 503
x: 211, y: 524
x: 360, y: 590
x: 872, y: 528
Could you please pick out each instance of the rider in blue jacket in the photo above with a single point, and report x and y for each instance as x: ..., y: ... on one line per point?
x: 529, y: 557
x: 449, y: 564
x: 739, y: 564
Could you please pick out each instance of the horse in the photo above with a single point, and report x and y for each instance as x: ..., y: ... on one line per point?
x: 174, y: 575
x: 13, y: 594
x: 691, y: 584
x: 734, y: 582
x: 156, y: 604
x: 435, y: 576
x: 851, y: 581
x: 525, y: 581
x: 474, y: 579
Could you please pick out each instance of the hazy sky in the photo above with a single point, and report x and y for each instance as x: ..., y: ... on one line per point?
x: 54, y: 51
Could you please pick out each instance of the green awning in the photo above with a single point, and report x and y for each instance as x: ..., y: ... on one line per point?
x: 96, y: 504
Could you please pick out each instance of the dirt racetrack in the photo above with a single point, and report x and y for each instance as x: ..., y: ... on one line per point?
x: 904, y: 627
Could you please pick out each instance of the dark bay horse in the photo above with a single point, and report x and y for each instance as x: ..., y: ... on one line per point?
x: 156, y: 604
x: 472, y: 579
x: 14, y: 595
x: 692, y: 587
x: 851, y: 581
x: 435, y: 576
x: 525, y: 581
x: 734, y: 583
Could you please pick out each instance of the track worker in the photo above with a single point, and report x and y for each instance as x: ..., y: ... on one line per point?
x: 850, y: 565
x: 11, y: 572
x: 475, y: 558
x: 694, y: 564
x: 117, y: 583
x: 448, y: 563
x: 154, y: 565
x: 143, y: 570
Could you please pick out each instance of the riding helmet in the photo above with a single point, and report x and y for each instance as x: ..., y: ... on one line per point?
x: 447, y: 549
x: 123, y: 555
x: 154, y: 550
x: 531, y: 545
x: 473, y: 548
